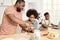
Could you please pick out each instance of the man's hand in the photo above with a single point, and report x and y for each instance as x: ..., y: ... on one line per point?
x: 29, y: 29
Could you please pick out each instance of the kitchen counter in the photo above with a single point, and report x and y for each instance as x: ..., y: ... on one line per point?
x: 26, y: 36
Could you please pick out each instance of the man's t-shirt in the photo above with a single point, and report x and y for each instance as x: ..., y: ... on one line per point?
x: 8, y: 26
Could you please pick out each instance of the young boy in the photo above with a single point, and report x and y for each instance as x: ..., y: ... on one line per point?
x: 32, y: 14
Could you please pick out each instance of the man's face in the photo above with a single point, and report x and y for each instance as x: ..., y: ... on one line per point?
x: 32, y: 17
x: 20, y: 6
x: 47, y: 17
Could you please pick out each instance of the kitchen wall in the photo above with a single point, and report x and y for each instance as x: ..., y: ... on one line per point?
x: 51, y: 6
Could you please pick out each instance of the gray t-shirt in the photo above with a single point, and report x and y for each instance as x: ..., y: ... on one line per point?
x: 34, y: 23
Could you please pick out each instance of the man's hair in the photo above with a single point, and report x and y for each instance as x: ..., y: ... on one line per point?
x: 19, y: 1
x: 32, y: 12
x: 46, y: 13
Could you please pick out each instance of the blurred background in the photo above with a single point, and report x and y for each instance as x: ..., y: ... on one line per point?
x: 42, y: 6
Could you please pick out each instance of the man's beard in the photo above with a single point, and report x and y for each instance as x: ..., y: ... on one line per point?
x: 18, y: 9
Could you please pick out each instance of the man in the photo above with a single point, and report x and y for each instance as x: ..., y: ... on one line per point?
x: 46, y: 23
x: 12, y: 18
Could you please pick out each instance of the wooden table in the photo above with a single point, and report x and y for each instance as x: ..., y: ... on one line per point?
x: 28, y: 35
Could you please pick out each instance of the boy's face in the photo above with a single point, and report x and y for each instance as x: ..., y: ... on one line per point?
x: 47, y: 17
x: 32, y: 17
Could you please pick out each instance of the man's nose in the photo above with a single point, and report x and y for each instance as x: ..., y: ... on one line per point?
x: 22, y: 8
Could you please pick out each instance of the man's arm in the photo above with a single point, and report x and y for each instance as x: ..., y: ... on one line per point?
x: 22, y: 24
x: 17, y: 20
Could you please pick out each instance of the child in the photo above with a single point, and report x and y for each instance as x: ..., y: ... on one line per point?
x: 32, y: 14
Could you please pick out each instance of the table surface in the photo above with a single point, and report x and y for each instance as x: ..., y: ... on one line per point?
x: 28, y: 35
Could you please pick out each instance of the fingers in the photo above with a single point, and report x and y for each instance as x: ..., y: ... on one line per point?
x: 29, y: 29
